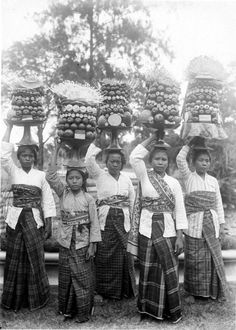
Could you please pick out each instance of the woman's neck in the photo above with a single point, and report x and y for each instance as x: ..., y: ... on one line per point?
x: 27, y: 170
x: 202, y: 175
x: 115, y: 175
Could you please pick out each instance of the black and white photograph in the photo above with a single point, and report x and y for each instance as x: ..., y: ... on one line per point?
x: 118, y: 164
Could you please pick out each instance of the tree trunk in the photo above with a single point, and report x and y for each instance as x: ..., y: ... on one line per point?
x: 91, y: 44
x: 40, y: 137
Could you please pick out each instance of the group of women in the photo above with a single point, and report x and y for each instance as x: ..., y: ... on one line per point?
x: 99, y: 239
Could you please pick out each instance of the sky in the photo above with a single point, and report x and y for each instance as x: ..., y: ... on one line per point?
x: 193, y: 28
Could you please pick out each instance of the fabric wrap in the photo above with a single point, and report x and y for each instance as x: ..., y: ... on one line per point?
x: 26, y: 196
x: 198, y: 201
x: 118, y: 201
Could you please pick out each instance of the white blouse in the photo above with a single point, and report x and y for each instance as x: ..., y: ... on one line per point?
x: 108, y: 186
x: 33, y: 178
x: 137, y: 162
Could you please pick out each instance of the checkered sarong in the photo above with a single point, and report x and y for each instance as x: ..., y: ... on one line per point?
x: 114, y: 266
x: 76, y: 281
x: 158, y: 283
x: 25, y: 277
x: 204, y: 268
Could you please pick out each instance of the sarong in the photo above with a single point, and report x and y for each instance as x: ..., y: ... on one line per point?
x: 76, y: 282
x: 204, y: 273
x: 25, y: 278
x: 115, y: 274
x: 158, y: 283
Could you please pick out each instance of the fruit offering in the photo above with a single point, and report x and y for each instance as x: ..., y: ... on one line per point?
x: 162, y: 100
x: 77, y: 105
x: 201, y: 108
x: 202, y: 101
x: 116, y: 98
x: 27, y: 104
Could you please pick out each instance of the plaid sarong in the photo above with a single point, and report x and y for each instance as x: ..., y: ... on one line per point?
x: 158, y: 283
x: 204, y: 273
x: 115, y: 274
x: 25, y: 278
x: 76, y: 281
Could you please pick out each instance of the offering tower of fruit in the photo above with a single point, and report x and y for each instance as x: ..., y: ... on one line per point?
x: 201, y: 109
x: 77, y: 105
x: 116, y: 98
x: 26, y: 105
x: 161, y: 108
x: 114, y: 113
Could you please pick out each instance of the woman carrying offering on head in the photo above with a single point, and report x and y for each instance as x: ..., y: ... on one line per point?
x: 114, y: 267
x: 28, y: 224
x: 78, y: 234
x: 204, y: 274
x: 156, y: 234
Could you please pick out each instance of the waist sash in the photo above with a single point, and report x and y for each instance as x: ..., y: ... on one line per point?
x: 155, y: 205
x: 77, y: 218
x: 116, y: 201
x: 26, y: 196
x: 198, y: 201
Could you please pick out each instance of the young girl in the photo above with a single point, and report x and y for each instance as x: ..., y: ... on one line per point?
x: 78, y: 233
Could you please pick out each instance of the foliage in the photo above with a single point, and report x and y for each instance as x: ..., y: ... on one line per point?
x: 86, y: 40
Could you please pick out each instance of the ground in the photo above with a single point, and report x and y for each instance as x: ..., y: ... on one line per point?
x: 204, y: 315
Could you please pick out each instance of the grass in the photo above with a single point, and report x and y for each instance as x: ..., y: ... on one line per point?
x: 202, y: 315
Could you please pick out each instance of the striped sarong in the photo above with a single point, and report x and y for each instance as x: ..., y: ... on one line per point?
x: 158, y: 283
x: 204, y: 273
x: 115, y: 274
x: 76, y: 282
x: 25, y: 278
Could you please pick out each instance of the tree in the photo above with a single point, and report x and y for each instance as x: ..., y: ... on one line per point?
x: 87, y: 40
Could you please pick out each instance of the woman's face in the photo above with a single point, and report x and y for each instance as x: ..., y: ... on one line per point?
x: 159, y: 162
x: 74, y: 180
x: 114, y: 164
x: 202, y: 163
x: 26, y: 159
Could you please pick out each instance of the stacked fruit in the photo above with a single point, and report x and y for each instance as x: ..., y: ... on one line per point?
x: 162, y: 105
x: 76, y: 116
x: 162, y: 99
x: 116, y: 97
x: 77, y: 105
x: 202, y: 101
x: 27, y: 104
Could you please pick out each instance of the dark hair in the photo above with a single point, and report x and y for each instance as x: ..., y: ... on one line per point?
x: 118, y: 152
x: 83, y: 174
x: 33, y: 148
x: 197, y: 153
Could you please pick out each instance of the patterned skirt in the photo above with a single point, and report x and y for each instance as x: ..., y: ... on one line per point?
x: 158, y: 282
x: 76, y: 282
x: 204, y: 273
x: 25, y: 278
x: 115, y: 275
